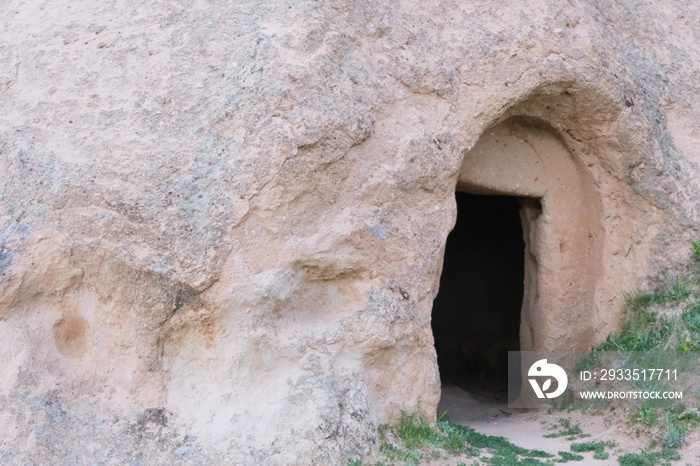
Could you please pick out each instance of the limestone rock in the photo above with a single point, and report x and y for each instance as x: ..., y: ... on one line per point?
x: 222, y: 224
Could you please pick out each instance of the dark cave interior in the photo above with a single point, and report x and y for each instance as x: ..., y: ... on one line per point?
x: 476, y: 314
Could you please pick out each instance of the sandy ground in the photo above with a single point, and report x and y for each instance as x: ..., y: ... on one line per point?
x: 527, y: 429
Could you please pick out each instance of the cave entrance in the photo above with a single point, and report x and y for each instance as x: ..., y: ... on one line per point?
x: 477, y: 311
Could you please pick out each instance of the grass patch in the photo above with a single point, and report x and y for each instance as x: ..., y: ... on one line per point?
x: 645, y: 331
x: 648, y: 458
x: 394, y: 451
x: 645, y: 458
x: 514, y: 460
x: 597, y: 447
x: 566, y: 457
x: 641, y: 300
x: 414, y: 439
x: 504, y: 452
x: 652, y: 325
x: 416, y: 432
x: 646, y: 415
x: 675, y: 434
x: 680, y: 290
x: 566, y: 430
x: 695, y: 254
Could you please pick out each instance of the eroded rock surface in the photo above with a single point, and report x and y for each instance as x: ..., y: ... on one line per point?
x: 222, y: 223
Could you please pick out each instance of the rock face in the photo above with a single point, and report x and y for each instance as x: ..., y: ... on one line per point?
x: 222, y: 224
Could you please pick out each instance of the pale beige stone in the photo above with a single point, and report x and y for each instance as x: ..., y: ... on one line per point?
x: 222, y: 224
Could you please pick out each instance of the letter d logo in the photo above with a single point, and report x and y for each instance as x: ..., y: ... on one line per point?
x: 542, y: 369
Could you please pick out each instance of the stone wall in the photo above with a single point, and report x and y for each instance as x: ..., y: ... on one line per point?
x: 222, y: 223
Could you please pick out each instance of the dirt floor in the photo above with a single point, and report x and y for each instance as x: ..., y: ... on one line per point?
x: 488, y: 414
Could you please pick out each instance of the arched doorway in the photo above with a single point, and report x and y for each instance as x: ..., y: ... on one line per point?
x: 521, y: 265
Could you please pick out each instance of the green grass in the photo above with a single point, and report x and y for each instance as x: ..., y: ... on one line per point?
x: 416, y: 432
x: 675, y: 292
x: 646, y: 415
x: 695, y: 255
x: 566, y: 430
x: 675, y: 434
x: 677, y: 421
x: 645, y: 330
x: 396, y: 452
x: 514, y: 460
x: 641, y: 300
x: 648, y: 458
x: 413, y: 439
x: 680, y: 290
x: 645, y: 458
x: 648, y: 329
x: 566, y: 457
x: 597, y: 447
x: 669, y: 454
x: 462, y: 438
x: 689, y: 420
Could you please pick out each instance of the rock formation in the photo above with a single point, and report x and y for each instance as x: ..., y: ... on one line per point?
x: 222, y: 224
